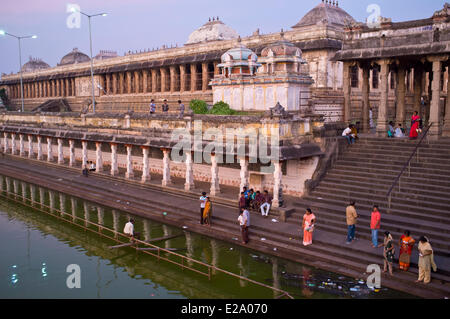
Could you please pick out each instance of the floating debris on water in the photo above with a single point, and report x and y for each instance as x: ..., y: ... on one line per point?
x: 184, y: 227
x: 235, y: 238
x: 274, y: 220
x: 263, y: 239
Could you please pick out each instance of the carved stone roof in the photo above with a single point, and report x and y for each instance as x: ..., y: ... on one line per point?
x: 34, y: 65
x: 74, y: 57
x: 212, y: 31
x: 325, y: 13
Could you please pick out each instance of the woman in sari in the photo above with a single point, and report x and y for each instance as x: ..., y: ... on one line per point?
x: 388, y: 252
x: 426, y: 260
x: 207, y: 212
x: 308, y: 226
x: 406, y: 245
x: 415, y: 121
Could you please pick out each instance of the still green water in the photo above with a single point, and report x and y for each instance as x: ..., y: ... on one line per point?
x: 36, y: 249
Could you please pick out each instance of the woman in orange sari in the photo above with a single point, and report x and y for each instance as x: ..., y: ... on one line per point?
x: 406, y: 245
x: 308, y: 227
x: 415, y: 121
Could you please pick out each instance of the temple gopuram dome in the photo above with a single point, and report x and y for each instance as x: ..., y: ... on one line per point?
x: 239, y: 61
x: 281, y: 48
x: 214, y: 30
x: 328, y: 13
x: 34, y: 65
x: 74, y: 57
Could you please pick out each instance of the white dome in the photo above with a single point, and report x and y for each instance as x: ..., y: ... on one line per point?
x: 212, y: 31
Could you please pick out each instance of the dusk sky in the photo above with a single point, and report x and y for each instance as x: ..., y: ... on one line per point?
x: 141, y: 24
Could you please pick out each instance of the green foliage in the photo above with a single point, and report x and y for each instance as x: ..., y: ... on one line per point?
x: 221, y: 108
x: 198, y: 106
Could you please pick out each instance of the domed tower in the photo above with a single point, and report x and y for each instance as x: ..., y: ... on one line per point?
x: 238, y: 62
x: 326, y: 13
x: 213, y: 30
x: 74, y: 57
x: 34, y: 65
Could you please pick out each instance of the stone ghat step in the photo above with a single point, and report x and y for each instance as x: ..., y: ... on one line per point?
x: 383, y: 186
x: 382, y: 159
x: 403, y: 141
x: 375, y: 196
x: 333, y: 252
x: 307, y: 256
x: 411, y: 210
x: 424, y: 154
x: 435, y: 150
x: 384, y: 169
x: 367, y: 177
x: 337, y: 214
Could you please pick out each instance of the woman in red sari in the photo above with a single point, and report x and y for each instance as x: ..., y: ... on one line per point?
x: 406, y: 245
x: 415, y: 121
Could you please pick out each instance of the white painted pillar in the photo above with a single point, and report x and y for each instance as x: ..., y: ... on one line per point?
x: 215, y: 187
x: 129, y: 173
x: 62, y: 202
x: 71, y: 153
x: 99, y: 157
x: 8, y: 185
x: 244, y: 174
x: 5, y: 142
x: 189, y: 183
x: 21, y: 145
x: 30, y: 146
x: 73, y: 203
x: 277, y: 174
x: 49, y: 150
x: 39, y: 147
x: 41, y: 197
x: 166, y: 168
x: 114, y: 167
x: 32, y: 194
x: 13, y: 143
x: 435, y: 105
x: 84, y: 154
x: 24, y: 191
x: 100, y: 215
x: 60, y: 151
x: 145, y: 167
x: 51, y: 196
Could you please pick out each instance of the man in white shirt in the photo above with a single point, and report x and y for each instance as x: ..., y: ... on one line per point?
x: 348, y: 135
x: 202, y: 206
x: 129, y: 230
x: 244, y: 229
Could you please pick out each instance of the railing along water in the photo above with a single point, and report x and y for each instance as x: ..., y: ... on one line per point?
x: 184, y: 265
x: 407, y: 164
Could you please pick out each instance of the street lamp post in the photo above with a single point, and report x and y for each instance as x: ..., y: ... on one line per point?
x: 92, y: 60
x: 2, y: 32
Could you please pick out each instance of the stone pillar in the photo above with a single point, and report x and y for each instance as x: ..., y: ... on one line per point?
x: 60, y: 151
x: 49, y: 150
x: 244, y: 174
x: 62, y: 204
x: 401, y: 91
x: 193, y: 77
x: 30, y: 146
x: 98, y: 157
x: 57, y: 88
x: 189, y: 183
x: 73, y: 88
x: 5, y: 142
x: 114, y: 83
x: 215, y: 187
x: 21, y: 145
x: 166, y: 168
x: 114, y: 167
x: 129, y: 173
x: 173, y: 78
x: 446, y: 128
x: 144, y: 81
x: 84, y: 153
x: 39, y: 148
x: 145, y: 165
x: 154, y: 80
x: 205, y: 76
x: 277, y: 175
x: 347, y: 92
x: 136, y: 82
x: 13, y: 144
x: 435, y: 109
x: 382, y: 124
x: 73, y: 204
x: 67, y: 85
x: 128, y: 90
x: 418, y: 79
x: 365, y: 98
x: 182, y: 78
x: 71, y: 153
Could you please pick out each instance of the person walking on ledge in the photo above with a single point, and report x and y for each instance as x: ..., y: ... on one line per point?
x: 426, y: 260
x: 406, y: 245
x: 388, y: 252
x: 243, y: 224
x: 375, y: 220
x: 308, y: 226
x: 203, y: 199
x: 207, y: 212
x: 351, y: 216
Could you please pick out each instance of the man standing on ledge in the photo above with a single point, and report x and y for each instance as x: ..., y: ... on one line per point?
x: 203, y: 199
x: 351, y: 215
x: 165, y: 107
